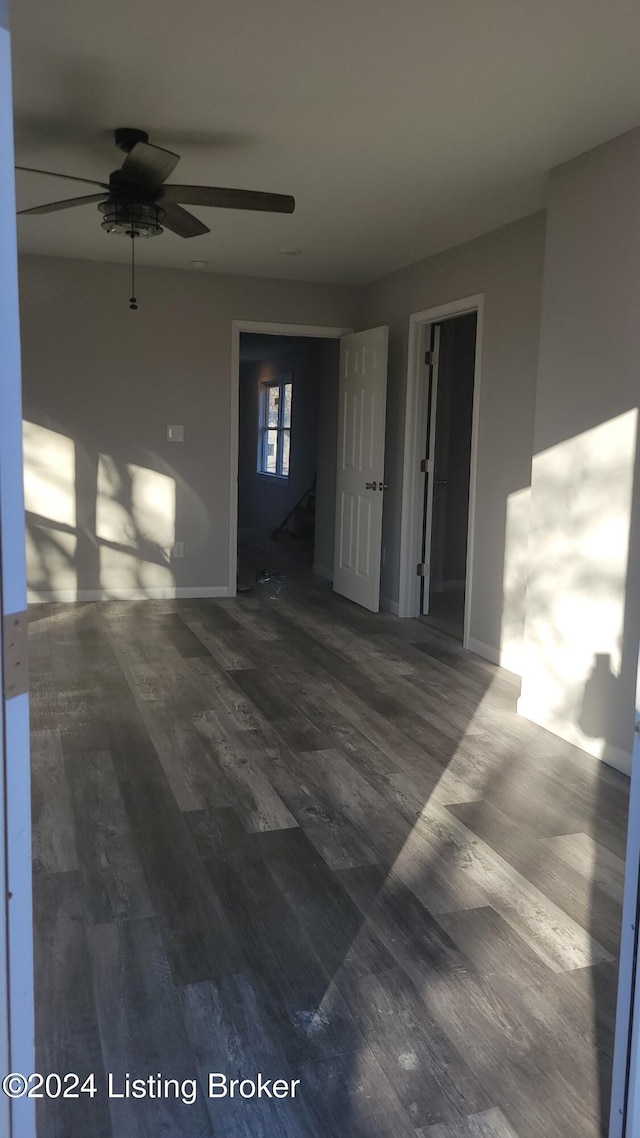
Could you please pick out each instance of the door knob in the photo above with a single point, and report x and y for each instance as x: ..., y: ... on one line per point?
x: 370, y: 486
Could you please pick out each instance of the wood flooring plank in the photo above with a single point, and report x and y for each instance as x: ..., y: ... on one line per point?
x: 430, y: 1077
x: 199, y: 941
x: 67, y: 1033
x: 563, y: 1026
x: 330, y: 829
x: 229, y: 1032
x: 180, y: 752
x: 254, y: 797
x: 559, y: 941
x: 487, y: 1124
x: 53, y: 838
x: 344, y: 793
x: 220, y: 648
x: 596, y: 863
x: 344, y: 941
x: 570, y: 890
x: 498, y: 1037
x: 112, y: 881
x: 308, y: 1014
x: 182, y: 637
x: 351, y: 1096
x: 142, y: 1030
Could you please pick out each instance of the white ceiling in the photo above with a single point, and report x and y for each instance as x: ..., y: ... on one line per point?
x: 402, y: 127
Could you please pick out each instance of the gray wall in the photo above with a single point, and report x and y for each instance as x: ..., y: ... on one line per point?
x: 583, y: 606
x: 507, y: 267
x: 104, y: 381
x: 263, y: 501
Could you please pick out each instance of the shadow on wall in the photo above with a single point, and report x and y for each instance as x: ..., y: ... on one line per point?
x: 583, y: 616
x: 95, y: 524
x: 579, y: 659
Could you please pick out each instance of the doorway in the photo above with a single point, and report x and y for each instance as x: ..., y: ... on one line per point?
x: 441, y: 446
x: 284, y: 431
x: 450, y: 360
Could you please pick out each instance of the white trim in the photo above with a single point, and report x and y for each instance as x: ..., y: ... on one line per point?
x: 388, y: 605
x: 270, y: 328
x: 429, y: 422
x: 409, y: 592
x: 163, y: 592
x: 625, y: 1088
x: 494, y: 655
x: 17, y: 1117
x: 321, y: 571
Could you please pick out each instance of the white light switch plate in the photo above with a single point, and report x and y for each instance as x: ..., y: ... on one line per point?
x: 175, y: 434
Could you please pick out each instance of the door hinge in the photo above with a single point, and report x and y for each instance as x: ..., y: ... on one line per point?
x: 421, y: 569
x: 428, y: 358
x: 15, y: 668
x: 425, y: 466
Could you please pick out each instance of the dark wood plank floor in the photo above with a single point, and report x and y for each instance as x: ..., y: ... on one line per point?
x: 278, y: 834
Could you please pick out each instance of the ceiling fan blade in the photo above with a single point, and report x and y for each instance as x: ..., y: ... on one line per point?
x: 68, y: 203
x: 148, y: 166
x: 182, y: 222
x: 229, y: 199
x: 69, y: 177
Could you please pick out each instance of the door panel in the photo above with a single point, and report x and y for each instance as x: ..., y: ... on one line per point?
x: 360, y: 474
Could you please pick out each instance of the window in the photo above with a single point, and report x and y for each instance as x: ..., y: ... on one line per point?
x: 274, y: 434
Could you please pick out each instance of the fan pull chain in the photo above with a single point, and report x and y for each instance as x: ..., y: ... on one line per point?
x: 132, y: 299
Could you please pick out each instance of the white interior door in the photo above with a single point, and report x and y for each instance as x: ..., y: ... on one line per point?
x: 17, y: 1119
x: 360, y: 474
x: 432, y: 358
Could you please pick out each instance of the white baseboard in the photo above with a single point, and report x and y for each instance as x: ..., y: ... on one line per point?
x: 503, y: 659
x: 389, y: 606
x: 165, y: 592
x: 320, y: 571
x: 606, y: 752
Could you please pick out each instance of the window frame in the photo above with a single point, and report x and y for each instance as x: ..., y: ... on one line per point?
x: 266, y: 385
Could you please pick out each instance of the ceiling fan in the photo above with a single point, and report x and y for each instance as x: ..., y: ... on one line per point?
x: 137, y: 202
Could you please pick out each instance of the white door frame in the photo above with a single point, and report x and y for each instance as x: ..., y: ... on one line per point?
x: 17, y: 1116
x: 414, y: 441
x: 270, y: 328
x: 624, y: 1118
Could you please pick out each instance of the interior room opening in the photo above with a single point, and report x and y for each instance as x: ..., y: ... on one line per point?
x: 450, y: 361
x: 286, y: 457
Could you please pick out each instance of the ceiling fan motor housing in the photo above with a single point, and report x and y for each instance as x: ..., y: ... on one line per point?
x: 131, y: 219
x: 127, y: 136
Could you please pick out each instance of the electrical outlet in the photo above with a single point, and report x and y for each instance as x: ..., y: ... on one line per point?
x: 177, y: 550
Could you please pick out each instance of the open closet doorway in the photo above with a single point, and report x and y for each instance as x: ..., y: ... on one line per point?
x: 442, y: 416
x: 286, y: 455
x: 450, y: 360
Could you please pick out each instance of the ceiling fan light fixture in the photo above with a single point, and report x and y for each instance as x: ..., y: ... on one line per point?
x: 132, y: 219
